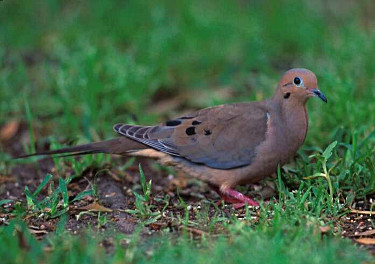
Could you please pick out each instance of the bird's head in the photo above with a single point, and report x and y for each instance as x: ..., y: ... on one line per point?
x: 298, y: 85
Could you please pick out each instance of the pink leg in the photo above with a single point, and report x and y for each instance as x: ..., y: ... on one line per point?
x: 236, y: 198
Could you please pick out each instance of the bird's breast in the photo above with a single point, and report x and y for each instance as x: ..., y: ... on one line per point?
x: 293, y: 133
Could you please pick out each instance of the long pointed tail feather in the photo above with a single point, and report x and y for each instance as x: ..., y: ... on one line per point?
x: 112, y: 146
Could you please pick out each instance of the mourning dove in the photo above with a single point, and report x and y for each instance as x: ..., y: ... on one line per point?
x: 225, y: 145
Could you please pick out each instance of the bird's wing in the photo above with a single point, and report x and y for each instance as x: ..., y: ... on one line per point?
x: 222, y: 137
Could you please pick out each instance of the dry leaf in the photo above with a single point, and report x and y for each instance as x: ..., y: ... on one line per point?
x: 95, y: 207
x: 366, y: 241
x: 5, y: 178
x: 9, y: 130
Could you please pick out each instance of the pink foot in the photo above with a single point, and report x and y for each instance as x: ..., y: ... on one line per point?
x: 228, y: 199
x: 236, y: 198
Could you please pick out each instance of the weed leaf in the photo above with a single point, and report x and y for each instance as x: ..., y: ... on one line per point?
x: 328, y: 151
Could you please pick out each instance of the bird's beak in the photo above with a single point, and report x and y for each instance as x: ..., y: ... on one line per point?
x: 318, y: 93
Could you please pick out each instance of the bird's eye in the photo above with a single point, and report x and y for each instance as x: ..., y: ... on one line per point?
x: 298, y: 81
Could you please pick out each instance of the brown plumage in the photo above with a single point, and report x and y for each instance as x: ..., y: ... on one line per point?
x: 225, y: 145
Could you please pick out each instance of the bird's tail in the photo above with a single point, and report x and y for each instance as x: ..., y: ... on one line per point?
x: 120, y: 145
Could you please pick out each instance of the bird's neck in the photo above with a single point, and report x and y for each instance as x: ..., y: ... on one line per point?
x: 296, y: 120
x: 293, y: 121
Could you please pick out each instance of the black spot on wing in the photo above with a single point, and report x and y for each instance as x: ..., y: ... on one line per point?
x: 196, y: 122
x: 190, y: 131
x: 207, y: 132
x: 173, y: 123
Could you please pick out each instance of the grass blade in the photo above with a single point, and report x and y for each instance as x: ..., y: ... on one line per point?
x: 30, y: 199
x: 64, y: 192
x: 46, y: 179
x: 83, y: 194
x: 328, y: 151
x: 142, y: 179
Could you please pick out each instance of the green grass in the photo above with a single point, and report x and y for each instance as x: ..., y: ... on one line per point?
x: 143, y: 208
x: 49, y: 206
x: 72, y: 69
x: 242, y: 244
